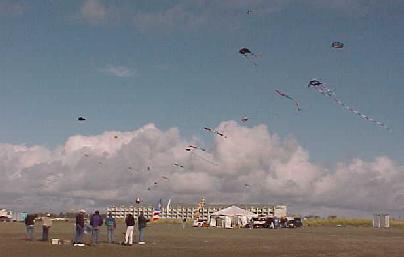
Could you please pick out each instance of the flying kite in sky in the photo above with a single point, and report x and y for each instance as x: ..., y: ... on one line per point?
x: 81, y: 118
x: 215, y: 132
x: 248, y: 54
x: 244, y: 119
x: 193, y: 147
x: 249, y: 12
x: 324, y: 90
x: 337, y: 45
x: 178, y: 165
x: 288, y: 97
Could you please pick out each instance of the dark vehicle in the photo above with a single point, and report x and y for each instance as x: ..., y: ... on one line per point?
x: 295, y: 223
x: 4, y: 219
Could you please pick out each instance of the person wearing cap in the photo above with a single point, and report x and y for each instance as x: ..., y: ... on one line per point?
x: 95, y: 222
x: 46, y: 224
x: 78, y: 239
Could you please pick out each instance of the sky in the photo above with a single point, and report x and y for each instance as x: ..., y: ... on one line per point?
x: 150, y: 75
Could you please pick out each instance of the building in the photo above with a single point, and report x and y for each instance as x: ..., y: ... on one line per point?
x: 187, y: 211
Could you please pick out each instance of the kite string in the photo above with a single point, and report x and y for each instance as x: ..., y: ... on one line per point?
x: 203, y: 159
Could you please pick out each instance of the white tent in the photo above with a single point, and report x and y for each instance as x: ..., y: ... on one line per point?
x: 230, y: 217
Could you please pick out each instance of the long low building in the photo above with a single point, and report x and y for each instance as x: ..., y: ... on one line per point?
x: 184, y: 211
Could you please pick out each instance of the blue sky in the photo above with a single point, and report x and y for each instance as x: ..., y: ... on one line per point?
x: 123, y: 64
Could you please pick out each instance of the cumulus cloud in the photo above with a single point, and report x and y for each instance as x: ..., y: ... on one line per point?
x: 117, y: 167
x: 93, y: 11
x: 118, y: 71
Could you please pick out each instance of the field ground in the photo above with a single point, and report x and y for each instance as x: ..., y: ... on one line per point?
x: 170, y: 240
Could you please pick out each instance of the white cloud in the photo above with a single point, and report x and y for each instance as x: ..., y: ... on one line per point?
x: 93, y: 12
x: 95, y: 171
x: 118, y: 71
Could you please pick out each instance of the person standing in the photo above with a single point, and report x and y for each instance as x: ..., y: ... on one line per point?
x: 30, y: 226
x: 95, y: 222
x: 111, y: 226
x: 184, y: 222
x: 130, y: 223
x: 46, y: 224
x: 78, y: 239
x: 141, y: 221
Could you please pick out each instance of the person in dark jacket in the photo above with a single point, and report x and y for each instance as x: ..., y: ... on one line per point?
x: 111, y: 226
x: 95, y: 222
x: 78, y: 239
x: 141, y: 222
x: 130, y: 223
x: 30, y: 226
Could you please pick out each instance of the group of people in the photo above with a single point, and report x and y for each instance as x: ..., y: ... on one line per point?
x: 96, y: 221
x: 30, y: 226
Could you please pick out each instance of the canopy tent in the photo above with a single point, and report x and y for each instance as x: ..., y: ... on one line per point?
x: 233, y: 211
x: 230, y: 217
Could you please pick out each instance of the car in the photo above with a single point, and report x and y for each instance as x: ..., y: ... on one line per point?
x: 295, y: 223
x: 5, y: 219
x: 259, y: 222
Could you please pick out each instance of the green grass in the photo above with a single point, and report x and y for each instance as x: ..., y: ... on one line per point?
x: 348, y: 222
x: 170, y: 240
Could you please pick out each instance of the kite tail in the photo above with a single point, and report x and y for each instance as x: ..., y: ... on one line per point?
x: 249, y: 59
x: 363, y: 116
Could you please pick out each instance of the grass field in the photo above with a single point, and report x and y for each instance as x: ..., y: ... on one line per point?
x: 170, y: 240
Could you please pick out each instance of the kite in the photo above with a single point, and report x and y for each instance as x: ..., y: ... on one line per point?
x: 337, y: 45
x: 192, y: 147
x: 288, y: 97
x: 249, y: 12
x: 244, y: 119
x: 178, y: 165
x: 164, y: 177
x: 81, y: 118
x: 324, y: 90
x: 215, y: 132
x: 248, y: 54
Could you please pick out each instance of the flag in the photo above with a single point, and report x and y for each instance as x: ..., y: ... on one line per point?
x: 157, y: 211
x: 168, y: 204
